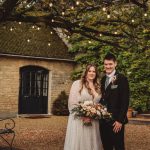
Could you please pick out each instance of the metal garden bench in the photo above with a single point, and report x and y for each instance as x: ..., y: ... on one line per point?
x: 7, y: 128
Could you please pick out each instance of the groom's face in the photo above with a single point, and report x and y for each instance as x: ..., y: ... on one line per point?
x: 109, y: 66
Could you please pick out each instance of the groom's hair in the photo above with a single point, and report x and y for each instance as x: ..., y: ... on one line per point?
x: 110, y: 56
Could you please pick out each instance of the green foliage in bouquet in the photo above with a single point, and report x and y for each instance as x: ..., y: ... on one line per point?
x: 60, y: 105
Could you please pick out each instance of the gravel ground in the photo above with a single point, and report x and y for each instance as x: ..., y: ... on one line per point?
x: 49, y: 134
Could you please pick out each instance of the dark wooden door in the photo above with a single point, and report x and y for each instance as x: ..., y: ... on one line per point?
x: 33, y: 95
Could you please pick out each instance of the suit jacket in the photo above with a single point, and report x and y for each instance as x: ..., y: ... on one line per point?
x: 116, y: 97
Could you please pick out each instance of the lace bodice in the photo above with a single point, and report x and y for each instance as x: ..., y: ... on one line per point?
x: 75, y: 96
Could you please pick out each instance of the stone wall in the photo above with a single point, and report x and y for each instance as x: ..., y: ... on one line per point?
x: 59, y: 80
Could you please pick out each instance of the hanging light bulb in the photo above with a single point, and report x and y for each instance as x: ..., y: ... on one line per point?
x: 11, y: 29
x: 108, y: 16
x: 104, y: 9
x: 72, y: 7
x: 89, y: 42
x: 51, y: 4
x: 132, y: 20
x: 77, y: 2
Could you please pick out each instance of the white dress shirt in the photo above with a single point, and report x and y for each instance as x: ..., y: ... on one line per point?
x: 111, y: 75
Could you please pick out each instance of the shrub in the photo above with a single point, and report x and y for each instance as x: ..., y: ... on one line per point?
x: 60, y: 105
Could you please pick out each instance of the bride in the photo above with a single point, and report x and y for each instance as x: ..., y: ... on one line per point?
x: 79, y: 136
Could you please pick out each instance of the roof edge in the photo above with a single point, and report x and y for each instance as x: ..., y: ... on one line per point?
x: 34, y: 57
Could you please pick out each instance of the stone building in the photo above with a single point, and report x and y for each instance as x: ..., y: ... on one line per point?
x: 35, y: 67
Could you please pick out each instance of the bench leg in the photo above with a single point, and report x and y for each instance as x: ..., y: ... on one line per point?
x: 11, y: 143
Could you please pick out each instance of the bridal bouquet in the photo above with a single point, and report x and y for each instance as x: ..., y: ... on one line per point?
x: 88, y: 111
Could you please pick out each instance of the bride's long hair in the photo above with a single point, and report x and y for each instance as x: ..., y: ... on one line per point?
x: 85, y: 83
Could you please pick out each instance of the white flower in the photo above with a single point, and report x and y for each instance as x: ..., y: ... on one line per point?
x: 88, y: 108
x: 87, y: 103
x: 84, y: 107
x: 113, y: 79
x: 88, y: 113
x: 104, y: 113
x: 98, y: 113
x: 105, y: 109
x: 93, y: 110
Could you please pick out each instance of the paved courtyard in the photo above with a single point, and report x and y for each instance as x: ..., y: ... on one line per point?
x: 49, y: 134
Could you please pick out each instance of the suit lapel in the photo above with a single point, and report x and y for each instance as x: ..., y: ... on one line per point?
x: 108, y: 87
x: 103, y: 83
x: 105, y: 91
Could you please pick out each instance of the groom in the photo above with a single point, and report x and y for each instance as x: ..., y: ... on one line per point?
x: 115, y: 95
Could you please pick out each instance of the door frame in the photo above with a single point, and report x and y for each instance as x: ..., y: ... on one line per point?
x: 35, y: 68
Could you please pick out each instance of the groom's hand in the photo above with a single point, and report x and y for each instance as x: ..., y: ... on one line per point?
x: 117, y: 126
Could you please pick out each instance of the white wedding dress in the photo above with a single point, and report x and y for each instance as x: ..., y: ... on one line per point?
x: 79, y: 136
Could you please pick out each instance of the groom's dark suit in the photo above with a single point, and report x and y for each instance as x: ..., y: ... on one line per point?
x: 116, y: 98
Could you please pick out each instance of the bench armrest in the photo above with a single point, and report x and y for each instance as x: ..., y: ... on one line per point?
x: 9, y: 123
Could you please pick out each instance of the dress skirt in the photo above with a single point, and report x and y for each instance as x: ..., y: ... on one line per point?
x: 81, y: 137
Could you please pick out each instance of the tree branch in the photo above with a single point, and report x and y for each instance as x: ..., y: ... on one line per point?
x: 8, y: 6
x: 142, y: 5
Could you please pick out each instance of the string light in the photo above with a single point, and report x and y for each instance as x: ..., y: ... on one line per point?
x: 51, y: 4
x: 49, y: 44
x: 68, y: 36
x: 52, y: 20
x: 38, y: 28
x: 104, y: 9
x: 28, y: 40
x: 51, y: 32
x: 72, y: 7
x: 145, y: 14
x: 115, y: 33
x: 77, y: 2
x: 11, y: 29
x: 100, y: 34
x: 33, y: 27
x: 19, y: 22
x: 108, y: 16
x: 144, y: 31
x: 89, y: 42
x: 132, y: 20
x: 63, y: 13
x: 80, y: 24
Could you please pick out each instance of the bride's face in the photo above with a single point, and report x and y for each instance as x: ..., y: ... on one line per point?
x: 91, y: 74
